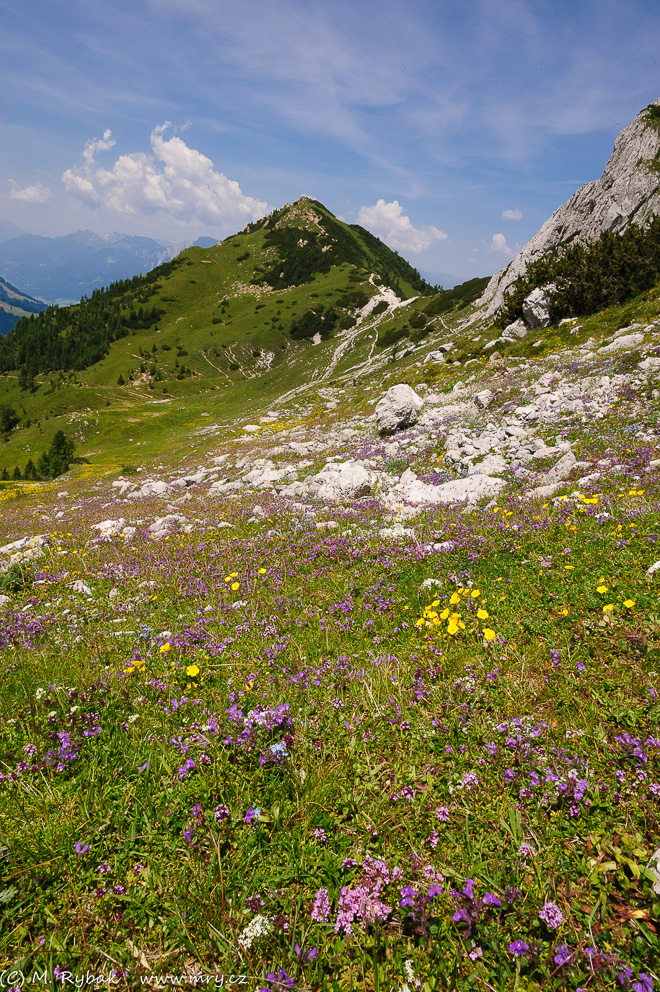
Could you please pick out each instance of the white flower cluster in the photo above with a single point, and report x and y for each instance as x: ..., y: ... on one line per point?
x: 259, y: 926
x: 410, y: 975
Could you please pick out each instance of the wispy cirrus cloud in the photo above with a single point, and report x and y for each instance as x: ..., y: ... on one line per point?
x: 388, y: 221
x: 174, y: 179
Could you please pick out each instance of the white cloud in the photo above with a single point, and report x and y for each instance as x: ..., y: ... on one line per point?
x: 498, y: 246
x: 388, y: 221
x: 512, y: 214
x: 98, y: 145
x: 174, y: 180
x: 30, y: 194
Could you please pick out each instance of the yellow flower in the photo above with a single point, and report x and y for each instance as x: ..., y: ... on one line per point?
x: 444, y: 614
x: 235, y: 585
x: 164, y: 648
x: 569, y: 568
x: 609, y: 608
x: 629, y: 603
x: 192, y: 670
x: 475, y: 593
x: 488, y: 634
x: 262, y: 571
x: 452, y: 627
x: 482, y: 614
x: 455, y: 598
x: 601, y: 589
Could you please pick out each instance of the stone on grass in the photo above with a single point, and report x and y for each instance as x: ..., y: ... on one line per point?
x: 622, y: 343
x: 338, y: 481
x: 515, y: 331
x: 398, y: 409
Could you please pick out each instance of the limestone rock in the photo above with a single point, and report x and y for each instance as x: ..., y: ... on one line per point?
x: 80, y: 586
x: 628, y: 190
x: 623, y: 343
x: 398, y: 409
x: 561, y: 470
x: 537, y: 307
x: 491, y: 465
x: 338, y: 481
x: 168, y: 524
x: 514, y: 332
x: 397, y: 532
x: 471, y: 489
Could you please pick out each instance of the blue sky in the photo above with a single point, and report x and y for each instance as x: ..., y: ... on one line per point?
x: 450, y: 129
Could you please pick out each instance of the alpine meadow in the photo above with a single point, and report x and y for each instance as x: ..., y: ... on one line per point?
x: 330, y: 614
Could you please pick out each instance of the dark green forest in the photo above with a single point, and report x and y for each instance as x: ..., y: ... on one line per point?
x: 590, y: 276
x: 72, y: 338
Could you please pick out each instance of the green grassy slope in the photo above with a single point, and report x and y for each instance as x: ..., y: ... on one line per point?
x: 221, y: 343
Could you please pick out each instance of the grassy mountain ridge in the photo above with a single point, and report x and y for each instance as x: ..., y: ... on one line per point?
x: 209, y: 322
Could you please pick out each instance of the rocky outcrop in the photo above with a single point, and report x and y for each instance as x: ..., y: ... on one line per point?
x: 398, y: 409
x: 537, y: 307
x: 628, y: 190
x: 340, y: 481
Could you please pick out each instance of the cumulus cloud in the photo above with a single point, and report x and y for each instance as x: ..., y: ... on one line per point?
x: 498, y: 246
x: 174, y: 179
x: 98, y: 145
x: 512, y: 214
x: 30, y: 194
x: 388, y: 221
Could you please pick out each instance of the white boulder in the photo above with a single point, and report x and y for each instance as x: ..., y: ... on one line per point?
x: 398, y: 409
x: 338, y: 481
x: 537, y: 307
x: 512, y: 332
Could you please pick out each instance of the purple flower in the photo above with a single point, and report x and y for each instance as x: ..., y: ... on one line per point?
x: 475, y: 953
x: 252, y: 815
x: 519, y: 947
x: 81, y: 848
x: 283, y: 980
x: 321, y: 908
x: 307, y: 956
x: 491, y: 900
x: 408, y: 896
x: 221, y: 813
x: 563, y: 955
x: 442, y: 814
x: 551, y: 915
x: 468, y: 889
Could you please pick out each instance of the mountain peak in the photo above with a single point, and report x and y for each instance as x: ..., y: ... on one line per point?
x: 628, y: 191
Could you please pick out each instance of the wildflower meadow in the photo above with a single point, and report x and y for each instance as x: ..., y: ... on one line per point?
x: 275, y: 743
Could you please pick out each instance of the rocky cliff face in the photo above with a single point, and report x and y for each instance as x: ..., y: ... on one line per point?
x: 628, y: 190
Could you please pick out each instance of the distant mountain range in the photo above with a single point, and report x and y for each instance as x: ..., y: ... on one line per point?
x: 62, y: 269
